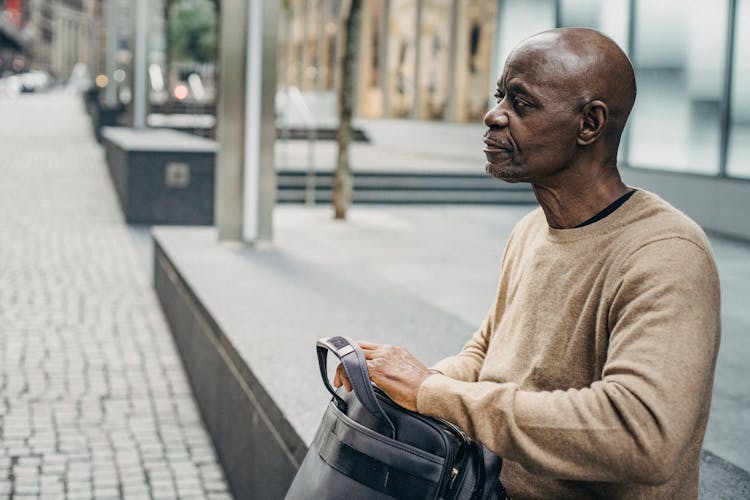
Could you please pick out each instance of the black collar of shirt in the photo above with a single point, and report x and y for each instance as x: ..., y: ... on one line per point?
x: 611, y: 208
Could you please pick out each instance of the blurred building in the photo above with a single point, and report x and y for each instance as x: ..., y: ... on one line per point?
x: 13, y: 39
x: 428, y: 59
x: 60, y: 33
x: 439, y: 59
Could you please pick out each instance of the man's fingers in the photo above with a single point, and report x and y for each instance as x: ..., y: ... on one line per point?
x: 341, y: 379
x: 365, y: 345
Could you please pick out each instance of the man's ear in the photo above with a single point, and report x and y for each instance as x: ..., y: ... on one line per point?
x: 593, y: 120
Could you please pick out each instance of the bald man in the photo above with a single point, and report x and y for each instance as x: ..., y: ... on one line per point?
x: 592, y: 372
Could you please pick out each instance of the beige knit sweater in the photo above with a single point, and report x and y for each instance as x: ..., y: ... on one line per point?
x: 593, y: 370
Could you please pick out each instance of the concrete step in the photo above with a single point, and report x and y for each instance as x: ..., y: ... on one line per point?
x: 317, y: 133
x: 405, y: 187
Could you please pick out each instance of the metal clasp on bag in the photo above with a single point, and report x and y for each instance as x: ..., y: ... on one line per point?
x: 452, y: 481
x: 345, y: 350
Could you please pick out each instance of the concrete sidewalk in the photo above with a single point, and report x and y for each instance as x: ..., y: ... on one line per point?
x: 93, y: 399
x: 395, y: 146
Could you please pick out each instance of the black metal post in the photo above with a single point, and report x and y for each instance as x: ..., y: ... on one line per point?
x: 726, y: 102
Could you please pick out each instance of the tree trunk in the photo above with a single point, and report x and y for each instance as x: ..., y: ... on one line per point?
x: 342, y: 177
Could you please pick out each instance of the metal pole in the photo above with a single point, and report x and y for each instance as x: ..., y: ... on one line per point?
x: 626, y: 141
x: 452, y: 57
x: 496, y: 67
x: 110, y: 65
x: 93, y: 45
x: 384, y: 68
x: 260, y: 130
x: 245, y: 175
x: 140, y: 63
x: 726, y: 102
x: 417, y: 62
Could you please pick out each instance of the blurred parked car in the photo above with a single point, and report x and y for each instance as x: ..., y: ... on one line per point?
x: 35, y: 81
x: 31, y: 81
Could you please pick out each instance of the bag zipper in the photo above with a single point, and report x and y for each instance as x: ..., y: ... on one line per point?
x: 456, y: 469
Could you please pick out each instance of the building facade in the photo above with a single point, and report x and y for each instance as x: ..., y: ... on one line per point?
x: 429, y: 59
x: 65, y: 33
x: 439, y: 59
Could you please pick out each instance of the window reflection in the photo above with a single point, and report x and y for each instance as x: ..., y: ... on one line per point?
x: 738, y: 158
x: 678, y: 57
x: 439, y: 59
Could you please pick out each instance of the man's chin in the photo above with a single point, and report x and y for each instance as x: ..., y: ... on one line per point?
x: 503, y: 172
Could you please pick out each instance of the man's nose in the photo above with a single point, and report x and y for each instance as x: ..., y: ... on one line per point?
x: 496, y: 117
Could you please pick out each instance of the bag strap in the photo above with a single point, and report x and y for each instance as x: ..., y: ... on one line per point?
x: 355, y: 365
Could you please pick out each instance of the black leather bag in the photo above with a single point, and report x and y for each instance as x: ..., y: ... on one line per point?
x: 367, y: 447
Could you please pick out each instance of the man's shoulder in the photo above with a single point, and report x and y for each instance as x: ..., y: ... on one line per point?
x: 655, y: 219
x: 645, y: 218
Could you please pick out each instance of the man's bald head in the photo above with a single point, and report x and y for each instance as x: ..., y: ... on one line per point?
x: 588, y: 66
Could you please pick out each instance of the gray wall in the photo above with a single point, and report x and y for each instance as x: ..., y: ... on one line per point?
x: 258, y: 449
x: 719, y: 205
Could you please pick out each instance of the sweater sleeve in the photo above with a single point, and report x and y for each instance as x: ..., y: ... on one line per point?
x: 634, y: 423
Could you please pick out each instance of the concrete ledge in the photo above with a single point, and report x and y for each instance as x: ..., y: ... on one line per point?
x: 721, y: 480
x: 258, y: 449
x: 245, y: 321
x: 161, y: 176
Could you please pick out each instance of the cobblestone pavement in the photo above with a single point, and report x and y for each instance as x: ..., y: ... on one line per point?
x: 94, y: 402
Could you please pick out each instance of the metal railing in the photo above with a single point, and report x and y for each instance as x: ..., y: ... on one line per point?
x: 295, y: 101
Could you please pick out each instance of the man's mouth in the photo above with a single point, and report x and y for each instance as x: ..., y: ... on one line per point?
x: 496, y: 151
x: 496, y: 146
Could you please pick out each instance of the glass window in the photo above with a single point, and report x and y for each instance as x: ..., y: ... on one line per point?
x: 738, y: 157
x: 608, y: 16
x: 611, y: 17
x: 518, y: 20
x: 678, y: 55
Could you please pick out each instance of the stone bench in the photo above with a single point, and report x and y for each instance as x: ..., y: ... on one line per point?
x: 161, y: 176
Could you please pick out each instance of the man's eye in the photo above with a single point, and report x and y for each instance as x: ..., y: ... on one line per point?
x: 519, y: 103
x: 499, y: 96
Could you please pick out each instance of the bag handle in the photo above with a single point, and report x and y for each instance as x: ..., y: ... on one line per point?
x: 355, y: 365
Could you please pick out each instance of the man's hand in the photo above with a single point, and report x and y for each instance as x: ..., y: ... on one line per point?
x: 393, y: 369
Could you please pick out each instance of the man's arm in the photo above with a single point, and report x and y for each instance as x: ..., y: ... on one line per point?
x: 632, y: 425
